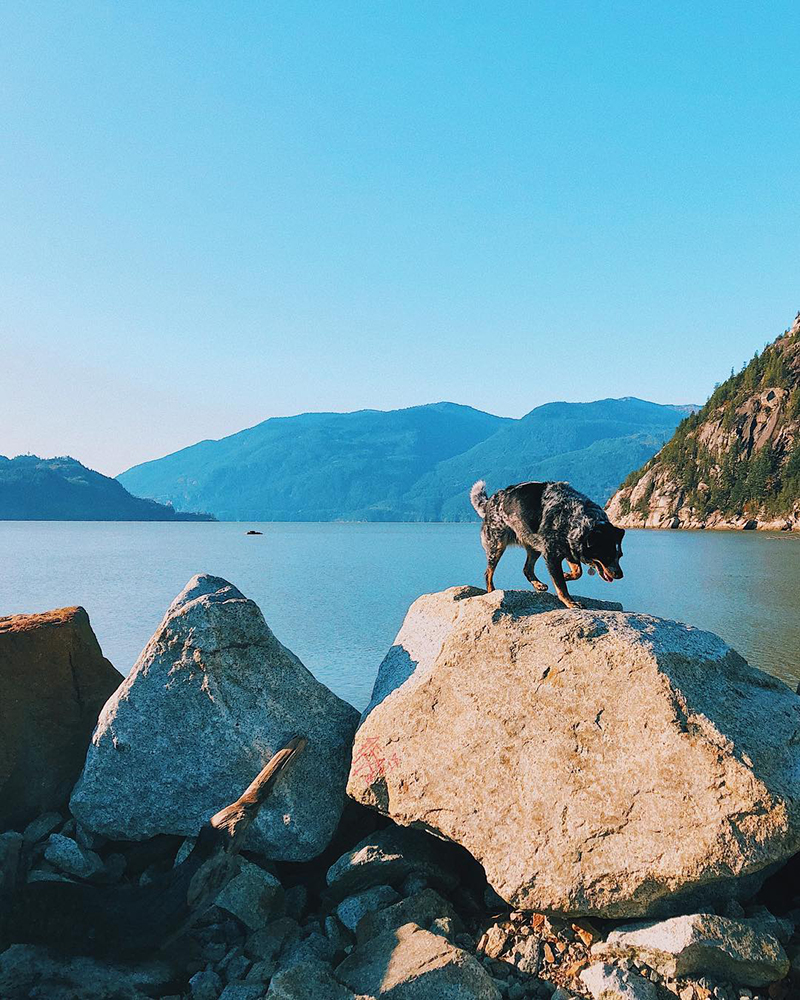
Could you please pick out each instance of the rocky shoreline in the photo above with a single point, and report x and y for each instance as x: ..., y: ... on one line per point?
x: 537, y: 803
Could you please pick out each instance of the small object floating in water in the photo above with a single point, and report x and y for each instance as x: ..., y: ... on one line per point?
x: 251, y: 532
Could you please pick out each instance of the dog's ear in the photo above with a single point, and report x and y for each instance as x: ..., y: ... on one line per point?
x: 620, y: 532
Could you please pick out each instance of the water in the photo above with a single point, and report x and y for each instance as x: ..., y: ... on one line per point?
x: 337, y: 593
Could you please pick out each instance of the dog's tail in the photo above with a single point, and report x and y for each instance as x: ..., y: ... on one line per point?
x: 478, y: 497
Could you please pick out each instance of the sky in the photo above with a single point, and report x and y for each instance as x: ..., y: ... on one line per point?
x: 213, y: 213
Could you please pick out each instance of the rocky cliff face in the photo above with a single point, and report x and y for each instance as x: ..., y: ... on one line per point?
x: 735, y: 463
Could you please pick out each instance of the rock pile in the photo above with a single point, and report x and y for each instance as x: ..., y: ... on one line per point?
x: 514, y: 730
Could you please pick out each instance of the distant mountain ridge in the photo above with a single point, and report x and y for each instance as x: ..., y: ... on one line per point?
x: 61, y: 489
x: 734, y: 463
x: 413, y: 464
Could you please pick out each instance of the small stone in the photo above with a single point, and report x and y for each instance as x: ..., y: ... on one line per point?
x: 337, y: 934
x: 253, y: 896
x: 242, y: 991
x: 238, y: 967
x: 86, y: 838
x: 445, y: 926
x: 42, y: 827
x: 527, y: 955
x: 205, y: 986
x: 184, y: 851
x: 352, y: 909
x: 261, y: 972
x: 586, y: 932
x: 215, y: 951
x: 607, y: 982
x: 308, y: 981
x: 69, y: 857
x: 549, y: 954
x: 267, y: 942
x: 314, y: 948
x: 494, y: 940
x: 46, y: 875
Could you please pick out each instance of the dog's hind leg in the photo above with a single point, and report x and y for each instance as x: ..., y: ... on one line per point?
x: 530, y: 572
x: 494, y: 548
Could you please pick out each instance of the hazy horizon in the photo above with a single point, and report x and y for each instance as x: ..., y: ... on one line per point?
x: 438, y: 402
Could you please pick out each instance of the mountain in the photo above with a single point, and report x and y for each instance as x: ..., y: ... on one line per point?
x: 733, y: 464
x: 315, y: 466
x: 588, y: 444
x: 415, y: 464
x: 61, y: 489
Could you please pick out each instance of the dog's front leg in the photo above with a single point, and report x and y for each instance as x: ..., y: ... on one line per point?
x: 575, y: 571
x: 557, y: 575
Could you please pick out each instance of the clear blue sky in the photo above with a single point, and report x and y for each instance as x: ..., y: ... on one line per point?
x: 216, y: 212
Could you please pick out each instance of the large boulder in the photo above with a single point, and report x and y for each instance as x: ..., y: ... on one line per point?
x: 212, y: 697
x: 594, y: 761
x: 54, y: 680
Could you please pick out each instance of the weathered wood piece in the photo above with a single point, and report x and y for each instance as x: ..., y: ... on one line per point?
x: 130, y: 919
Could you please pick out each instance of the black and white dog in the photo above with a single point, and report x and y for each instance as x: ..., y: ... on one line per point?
x: 553, y: 520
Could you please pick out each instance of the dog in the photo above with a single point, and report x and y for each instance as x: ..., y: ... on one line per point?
x: 553, y: 520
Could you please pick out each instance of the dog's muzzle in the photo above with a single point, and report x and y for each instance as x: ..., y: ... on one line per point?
x: 609, y: 573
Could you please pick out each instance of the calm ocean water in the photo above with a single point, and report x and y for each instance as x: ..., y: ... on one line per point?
x: 337, y: 593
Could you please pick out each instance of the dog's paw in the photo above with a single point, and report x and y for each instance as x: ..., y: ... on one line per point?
x: 576, y: 605
x: 538, y: 585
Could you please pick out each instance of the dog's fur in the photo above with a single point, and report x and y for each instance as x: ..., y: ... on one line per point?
x: 553, y: 520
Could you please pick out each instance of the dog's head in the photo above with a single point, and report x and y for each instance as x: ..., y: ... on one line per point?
x: 602, y: 549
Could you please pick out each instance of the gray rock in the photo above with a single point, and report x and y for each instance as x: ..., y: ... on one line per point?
x: 315, y: 947
x: 526, y: 955
x: 261, y: 972
x: 205, y: 985
x: 701, y: 944
x: 238, y: 969
x: 339, y: 937
x: 69, y: 857
x: 494, y: 940
x: 305, y: 981
x: 42, y: 827
x: 88, y: 839
x: 595, y: 762
x: 607, y: 982
x: 388, y: 857
x: 212, y: 697
x: 422, y: 909
x: 254, y: 896
x: 29, y: 971
x: 242, y: 991
x: 352, y: 909
x: 266, y: 943
x: 760, y: 919
x: 413, y: 964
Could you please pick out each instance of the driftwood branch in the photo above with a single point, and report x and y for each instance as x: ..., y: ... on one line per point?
x: 130, y: 919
